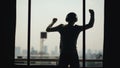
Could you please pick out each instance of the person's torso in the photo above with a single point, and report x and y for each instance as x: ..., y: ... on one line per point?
x: 68, y: 39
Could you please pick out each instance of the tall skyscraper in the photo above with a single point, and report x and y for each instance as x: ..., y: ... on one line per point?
x: 43, y: 36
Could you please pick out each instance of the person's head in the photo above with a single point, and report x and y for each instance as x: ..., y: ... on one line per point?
x: 71, y: 18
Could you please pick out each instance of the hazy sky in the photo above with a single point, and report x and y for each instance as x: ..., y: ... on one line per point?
x: 42, y: 13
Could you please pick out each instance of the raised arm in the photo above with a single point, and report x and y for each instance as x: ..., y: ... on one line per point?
x: 91, y: 22
x: 50, y: 27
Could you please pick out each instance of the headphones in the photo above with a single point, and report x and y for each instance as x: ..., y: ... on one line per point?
x: 71, y: 17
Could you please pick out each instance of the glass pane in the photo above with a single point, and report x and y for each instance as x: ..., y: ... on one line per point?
x: 21, y: 30
x: 43, y: 11
x: 95, y: 35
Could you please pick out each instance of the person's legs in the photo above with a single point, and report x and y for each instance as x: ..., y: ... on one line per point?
x: 69, y: 58
x: 74, y: 63
x: 63, y: 62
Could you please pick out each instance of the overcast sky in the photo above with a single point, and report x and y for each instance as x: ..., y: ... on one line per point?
x: 42, y: 13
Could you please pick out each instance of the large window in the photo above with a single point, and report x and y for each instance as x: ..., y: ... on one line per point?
x: 45, y: 51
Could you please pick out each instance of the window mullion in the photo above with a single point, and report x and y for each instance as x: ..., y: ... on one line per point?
x: 84, y: 45
x: 29, y: 24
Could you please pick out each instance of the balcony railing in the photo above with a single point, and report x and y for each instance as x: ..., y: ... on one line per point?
x: 90, y: 63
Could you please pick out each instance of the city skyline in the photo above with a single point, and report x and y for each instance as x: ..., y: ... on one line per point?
x: 23, y: 53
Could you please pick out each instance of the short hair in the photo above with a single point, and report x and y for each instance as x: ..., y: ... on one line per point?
x: 71, y: 17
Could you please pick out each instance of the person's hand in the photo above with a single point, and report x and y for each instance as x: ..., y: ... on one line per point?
x: 91, y: 11
x: 54, y: 20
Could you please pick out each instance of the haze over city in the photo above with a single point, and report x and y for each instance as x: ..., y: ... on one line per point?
x: 42, y: 13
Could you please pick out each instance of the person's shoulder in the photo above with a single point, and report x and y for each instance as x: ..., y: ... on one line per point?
x: 63, y: 25
x: 60, y: 25
x: 77, y: 26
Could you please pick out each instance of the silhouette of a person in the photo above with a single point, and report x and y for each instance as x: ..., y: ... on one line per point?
x: 68, y: 39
